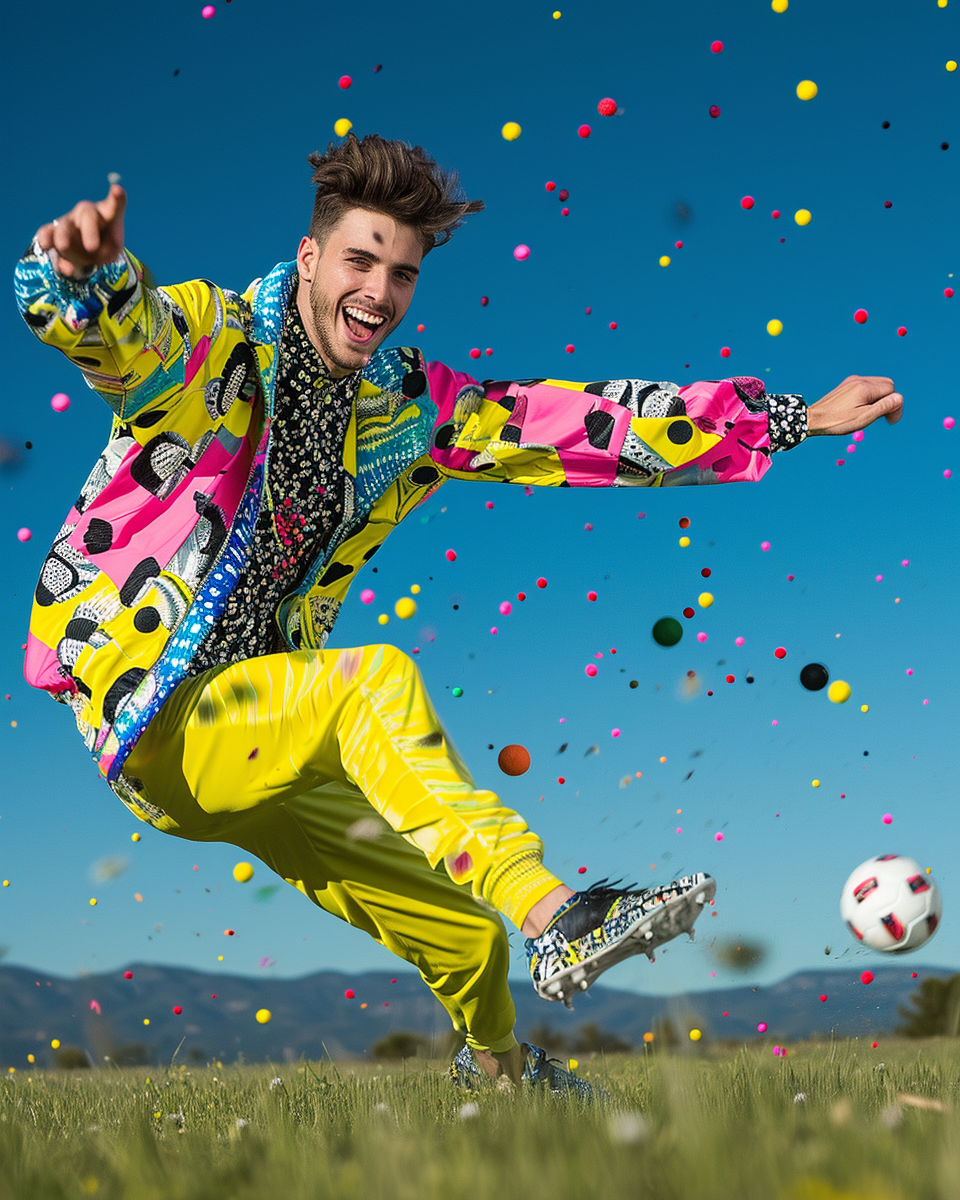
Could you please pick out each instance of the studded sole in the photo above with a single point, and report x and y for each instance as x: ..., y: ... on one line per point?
x: 667, y: 921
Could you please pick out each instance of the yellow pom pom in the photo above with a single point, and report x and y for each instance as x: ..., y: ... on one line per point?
x: 556, y: 15
x: 864, y: 707
x: 405, y: 607
x: 664, y: 260
x: 941, y: 3
x: 684, y: 541
x: 815, y: 783
x: 806, y: 89
x: 263, y: 1016
x: 802, y: 216
x: 951, y: 65
x: 839, y: 691
x: 93, y: 901
x: 774, y: 327
x: 146, y: 1020
x: 30, y: 1058
x: 778, y: 6
x: 6, y: 883
x: 695, y: 1035
x: 705, y: 599
x: 382, y: 619
x: 648, y: 1037
x: 134, y: 837
x: 511, y: 131
x: 415, y: 589
x: 243, y: 872
x: 342, y: 127
x: 55, y: 1043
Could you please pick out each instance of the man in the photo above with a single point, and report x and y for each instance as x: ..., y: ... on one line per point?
x: 262, y: 448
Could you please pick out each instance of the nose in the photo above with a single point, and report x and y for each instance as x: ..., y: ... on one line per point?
x: 376, y: 288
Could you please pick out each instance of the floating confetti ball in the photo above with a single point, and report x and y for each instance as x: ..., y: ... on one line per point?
x: 774, y: 327
x: 243, y: 872
x: 839, y: 691
x: 607, y: 107
x: 584, y: 131
x: 705, y: 599
x: 716, y: 47
x: 342, y: 127
x: 747, y: 202
x: 514, y: 760
x: 263, y: 1016
x: 762, y: 1027
x: 60, y: 402
x: 177, y: 1010
x: 521, y: 252
x: 367, y: 596
x: 134, y: 837
x: 344, y: 81
x: 724, y: 351
x: 208, y: 11
x: 949, y: 422
x: 24, y: 534
x: 667, y: 631
x: 815, y: 783
x: 93, y: 901
x: 590, y: 669
x: 803, y: 216
x: 405, y: 607
x: 902, y: 331
x: 511, y: 131
x: 779, y: 6
x: 128, y: 974
x: 541, y: 582
x: 860, y: 316
x: 718, y: 837
x: 695, y: 1035
x: 664, y: 260
x: 806, y: 89
x: 229, y: 932
x: 383, y: 619
x: 780, y: 652
x: 951, y: 65
x: 458, y: 692
x: 505, y: 608
x: 888, y: 818
x: 866, y: 977
x: 814, y: 677
x: 714, y: 110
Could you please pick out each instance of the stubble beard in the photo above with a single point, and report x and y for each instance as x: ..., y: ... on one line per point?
x: 324, y: 312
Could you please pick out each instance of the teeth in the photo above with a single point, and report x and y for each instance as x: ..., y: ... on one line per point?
x: 360, y: 314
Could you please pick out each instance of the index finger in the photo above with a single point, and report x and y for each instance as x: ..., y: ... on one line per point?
x: 113, y: 205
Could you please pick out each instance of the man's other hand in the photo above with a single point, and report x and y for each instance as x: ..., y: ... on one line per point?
x: 855, y: 404
x: 88, y: 235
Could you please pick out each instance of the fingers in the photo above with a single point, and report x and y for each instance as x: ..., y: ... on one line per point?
x: 88, y: 222
x: 114, y: 205
x: 896, y: 411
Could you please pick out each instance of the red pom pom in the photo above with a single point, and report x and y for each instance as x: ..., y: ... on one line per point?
x: 607, y: 107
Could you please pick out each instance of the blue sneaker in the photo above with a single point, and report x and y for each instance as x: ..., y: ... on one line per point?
x: 538, y: 1070
x: 602, y: 926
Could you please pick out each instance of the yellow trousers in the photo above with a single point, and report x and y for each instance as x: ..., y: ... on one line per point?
x: 332, y: 767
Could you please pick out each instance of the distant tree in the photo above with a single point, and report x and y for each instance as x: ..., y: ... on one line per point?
x: 134, y: 1054
x: 592, y: 1039
x: 399, y: 1045
x: 71, y: 1058
x: 547, y: 1038
x: 935, y: 1011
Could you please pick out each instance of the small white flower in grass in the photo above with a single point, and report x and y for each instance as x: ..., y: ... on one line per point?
x: 468, y: 1110
x: 880, y: 1067
x: 241, y: 1123
x: 275, y: 1083
x: 629, y: 1127
x: 800, y: 1098
x: 381, y: 1107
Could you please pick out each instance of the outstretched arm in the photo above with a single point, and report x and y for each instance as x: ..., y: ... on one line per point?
x: 632, y: 432
x: 80, y: 291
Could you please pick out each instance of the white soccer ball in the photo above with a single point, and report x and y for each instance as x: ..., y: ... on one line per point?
x: 890, y: 903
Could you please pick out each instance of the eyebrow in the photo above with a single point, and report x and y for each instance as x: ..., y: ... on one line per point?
x: 375, y: 258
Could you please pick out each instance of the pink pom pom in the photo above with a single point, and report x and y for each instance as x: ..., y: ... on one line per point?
x: 60, y: 402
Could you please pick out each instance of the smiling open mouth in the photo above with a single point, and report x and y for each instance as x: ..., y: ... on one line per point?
x: 361, y: 324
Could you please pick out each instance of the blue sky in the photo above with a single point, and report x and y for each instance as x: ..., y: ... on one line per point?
x: 209, y: 123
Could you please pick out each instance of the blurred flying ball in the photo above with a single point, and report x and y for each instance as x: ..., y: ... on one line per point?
x: 839, y: 691
x: 814, y: 677
x: 263, y: 1016
x: 405, y: 607
x: 803, y: 216
x: 889, y: 903
x: 774, y: 328
x: 806, y: 89
x: 514, y: 760
x: 342, y: 127
x: 511, y: 131
x: 243, y: 872
x: 667, y: 631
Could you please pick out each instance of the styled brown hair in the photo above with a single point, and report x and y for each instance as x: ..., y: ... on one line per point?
x: 389, y: 177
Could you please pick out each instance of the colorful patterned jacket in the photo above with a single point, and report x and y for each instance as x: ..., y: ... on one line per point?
x: 147, y: 556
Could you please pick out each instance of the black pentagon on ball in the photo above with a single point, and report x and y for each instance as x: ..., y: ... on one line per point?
x: 679, y: 432
x: 814, y: 677
x: 414, y: 384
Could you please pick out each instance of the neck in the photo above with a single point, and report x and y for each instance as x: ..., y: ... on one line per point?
x: 306, y: 316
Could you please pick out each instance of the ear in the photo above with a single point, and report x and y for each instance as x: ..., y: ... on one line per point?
x: 308, y: 255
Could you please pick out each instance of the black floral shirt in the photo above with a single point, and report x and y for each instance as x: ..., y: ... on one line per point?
x: 311, y: 493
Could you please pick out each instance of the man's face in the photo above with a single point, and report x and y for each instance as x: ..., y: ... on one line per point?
x: 356, y: 290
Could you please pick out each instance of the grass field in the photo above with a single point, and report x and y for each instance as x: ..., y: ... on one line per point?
x: 836, y: 1121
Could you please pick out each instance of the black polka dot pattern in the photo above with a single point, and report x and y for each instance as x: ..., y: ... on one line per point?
x: 788, y: 421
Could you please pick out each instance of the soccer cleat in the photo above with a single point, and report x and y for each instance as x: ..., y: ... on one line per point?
x: 602, y: 926
x: 537, y: 1071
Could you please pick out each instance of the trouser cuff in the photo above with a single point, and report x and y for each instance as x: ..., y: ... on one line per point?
x: 518, y: 884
